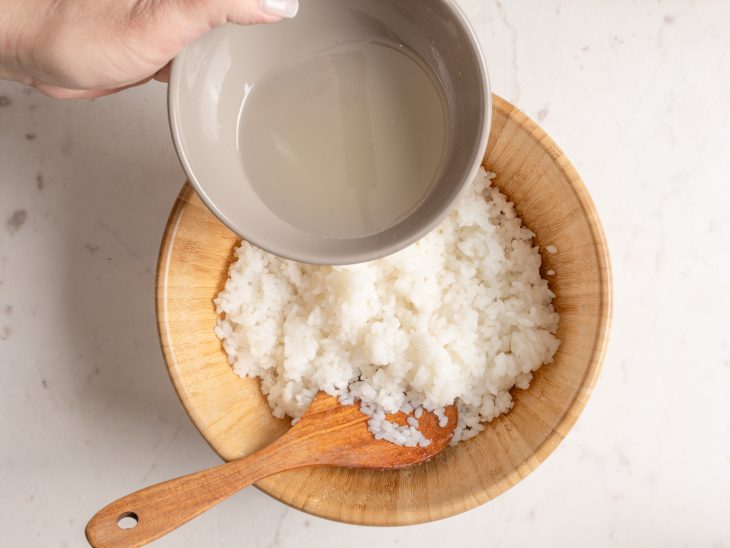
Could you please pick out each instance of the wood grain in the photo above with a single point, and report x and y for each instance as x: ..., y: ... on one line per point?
x: 329, y: 434
x: 233, y: 416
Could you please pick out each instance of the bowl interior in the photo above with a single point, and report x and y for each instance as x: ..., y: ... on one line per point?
x: 234, y: 418
x: 212, y: 78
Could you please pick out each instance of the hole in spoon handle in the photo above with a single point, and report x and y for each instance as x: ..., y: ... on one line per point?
x: 127, y: 520
x: 148, y: 514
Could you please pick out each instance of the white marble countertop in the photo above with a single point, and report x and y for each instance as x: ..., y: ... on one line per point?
x: 636, y: 93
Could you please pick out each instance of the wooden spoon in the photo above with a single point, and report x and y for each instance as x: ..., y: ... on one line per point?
x: 329, y: 434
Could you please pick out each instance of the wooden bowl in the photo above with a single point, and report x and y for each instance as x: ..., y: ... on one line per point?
x: 234, y: 418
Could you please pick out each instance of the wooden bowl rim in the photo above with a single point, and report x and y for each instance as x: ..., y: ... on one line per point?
x: 572, y: 411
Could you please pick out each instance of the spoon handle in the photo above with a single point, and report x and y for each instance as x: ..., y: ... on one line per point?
x: 159, y: 509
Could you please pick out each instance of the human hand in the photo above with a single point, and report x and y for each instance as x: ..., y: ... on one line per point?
x: 90, y: 48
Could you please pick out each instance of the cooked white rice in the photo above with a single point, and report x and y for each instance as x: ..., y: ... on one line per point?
x: 460, y: 316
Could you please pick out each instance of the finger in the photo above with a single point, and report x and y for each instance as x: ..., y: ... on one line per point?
x: 281, y: 8
x: 163, y: 75
x: 246, y: 12
x: 58, y: 92
x: 242, y: 12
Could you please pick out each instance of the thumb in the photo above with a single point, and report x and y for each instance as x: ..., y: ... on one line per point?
x: 244, y: 12
x: 59, y: 92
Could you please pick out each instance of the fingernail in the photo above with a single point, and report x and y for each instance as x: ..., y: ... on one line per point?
x: 282, y: 8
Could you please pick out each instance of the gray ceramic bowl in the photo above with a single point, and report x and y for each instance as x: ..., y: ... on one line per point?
x: 208, y: 84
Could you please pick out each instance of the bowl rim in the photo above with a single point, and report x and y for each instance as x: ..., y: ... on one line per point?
x: 473, y: 499
x: 348, y: 258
